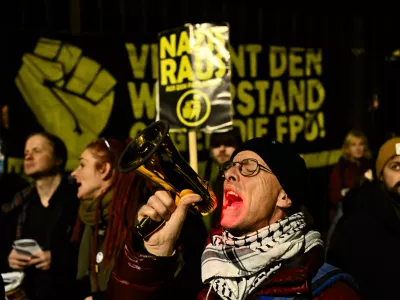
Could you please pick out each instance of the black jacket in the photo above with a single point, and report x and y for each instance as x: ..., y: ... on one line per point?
x: 366, y: 241
x: 58, y: 282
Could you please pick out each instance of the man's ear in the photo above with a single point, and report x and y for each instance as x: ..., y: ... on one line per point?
x: 283, y: 200
x: 106, y: 171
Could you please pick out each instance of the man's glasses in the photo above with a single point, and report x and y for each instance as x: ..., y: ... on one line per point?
x: 247, y: 167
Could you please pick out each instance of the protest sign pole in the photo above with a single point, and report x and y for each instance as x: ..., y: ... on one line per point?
x: 192, y: 136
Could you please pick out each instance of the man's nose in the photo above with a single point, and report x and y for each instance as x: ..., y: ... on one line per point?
x: 233, y: 173
x: 222, y: 148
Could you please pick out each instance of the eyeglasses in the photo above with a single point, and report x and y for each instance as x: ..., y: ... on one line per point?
x: 247, y: 167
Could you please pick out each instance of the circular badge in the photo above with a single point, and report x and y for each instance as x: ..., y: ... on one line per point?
x: 193, y: 108
x: 99, y: 257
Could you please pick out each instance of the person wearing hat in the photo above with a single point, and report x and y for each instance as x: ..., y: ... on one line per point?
x: 366, y: 241
x: 264, y: 248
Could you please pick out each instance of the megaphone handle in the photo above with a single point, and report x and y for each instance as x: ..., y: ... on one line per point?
x: 147, y: 226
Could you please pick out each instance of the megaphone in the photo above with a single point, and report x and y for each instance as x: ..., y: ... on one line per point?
x: 153, y: 155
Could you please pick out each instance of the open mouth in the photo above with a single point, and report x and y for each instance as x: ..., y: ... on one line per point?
x: 232, y: 200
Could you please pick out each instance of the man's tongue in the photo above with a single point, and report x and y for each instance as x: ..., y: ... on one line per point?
x: 233, y: 202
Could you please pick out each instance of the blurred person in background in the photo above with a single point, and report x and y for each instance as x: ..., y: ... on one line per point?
x: 353, y: 169
x: 48, y: 210
x: 10, y: 184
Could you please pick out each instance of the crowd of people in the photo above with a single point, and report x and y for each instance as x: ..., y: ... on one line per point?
x: 258, y: 244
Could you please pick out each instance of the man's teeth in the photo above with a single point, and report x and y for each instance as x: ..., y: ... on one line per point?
x: 232, y: 193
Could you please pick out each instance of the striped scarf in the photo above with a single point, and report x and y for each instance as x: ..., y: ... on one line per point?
x: 235, y: 266
x: 19, y: 199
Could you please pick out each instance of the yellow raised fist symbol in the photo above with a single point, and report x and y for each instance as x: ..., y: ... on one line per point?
x: 70, y: 94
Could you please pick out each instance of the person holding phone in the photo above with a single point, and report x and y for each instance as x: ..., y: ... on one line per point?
x: 47, y: 213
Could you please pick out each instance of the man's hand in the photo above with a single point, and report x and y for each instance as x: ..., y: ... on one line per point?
x: 369, y: 175
x: 70, y: 94
x: 160, y: 207
x: 18, y: 261
x: 89, y: 298
x: 343, y: 192
x: 41, y: 260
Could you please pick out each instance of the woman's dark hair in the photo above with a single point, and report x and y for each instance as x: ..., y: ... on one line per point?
x: 59, y: 148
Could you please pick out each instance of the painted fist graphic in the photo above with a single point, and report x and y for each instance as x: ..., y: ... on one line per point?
x: 70, y: 94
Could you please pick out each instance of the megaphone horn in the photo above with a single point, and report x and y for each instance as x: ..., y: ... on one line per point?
x: 153, y: 155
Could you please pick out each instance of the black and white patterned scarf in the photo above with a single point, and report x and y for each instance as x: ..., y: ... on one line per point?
x: 235, y: 266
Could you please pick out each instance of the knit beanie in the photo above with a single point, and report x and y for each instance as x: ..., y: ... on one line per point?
x: 229, y: 138
x: 389, y: 149
x: 288, y: 167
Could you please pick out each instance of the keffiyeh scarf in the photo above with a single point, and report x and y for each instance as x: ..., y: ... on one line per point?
x: 235, y: 266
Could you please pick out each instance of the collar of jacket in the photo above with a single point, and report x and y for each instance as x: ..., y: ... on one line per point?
x: 295, y: 277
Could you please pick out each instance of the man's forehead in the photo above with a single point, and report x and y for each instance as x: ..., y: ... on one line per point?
x: 34, y: 144
x: 395, y: 158
x: 37, y: 141
x: 249, y: 154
